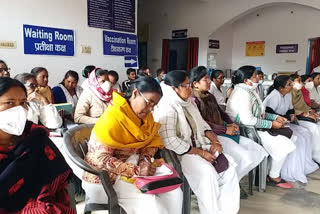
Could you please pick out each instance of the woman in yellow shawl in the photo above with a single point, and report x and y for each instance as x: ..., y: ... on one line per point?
x: 123, y: 142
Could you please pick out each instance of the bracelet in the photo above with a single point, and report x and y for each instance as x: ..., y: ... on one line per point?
x: 202, y: 153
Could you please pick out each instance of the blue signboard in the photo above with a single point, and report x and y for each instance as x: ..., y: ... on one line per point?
x: 48, y: 41
x: 119, y: 44
x: 131, y: 61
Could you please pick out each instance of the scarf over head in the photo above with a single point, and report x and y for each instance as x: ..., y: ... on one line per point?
x: 119, y: 127
x: 96, y: 88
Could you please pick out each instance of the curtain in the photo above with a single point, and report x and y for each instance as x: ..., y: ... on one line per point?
x: 314, y: 60
x: 165, y: 55
x: 193, y: 51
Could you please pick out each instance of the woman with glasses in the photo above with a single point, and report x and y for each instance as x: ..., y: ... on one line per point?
x: 40, y: 110
x: 185, y: 132
x: 245, y: 107
x: 217, y: 88
x: 299, y: 163
x: 124, y: 142
x: 4, y: 70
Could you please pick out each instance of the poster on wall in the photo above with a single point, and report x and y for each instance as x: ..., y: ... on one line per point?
x: 119, y: 15
x: 120, y: 44
x: 255, y: 48
x: 214, y: 44
x: 288, y: 48
x: 48, y: 41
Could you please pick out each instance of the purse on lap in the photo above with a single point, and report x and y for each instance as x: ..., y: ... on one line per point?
x: 221, y: 163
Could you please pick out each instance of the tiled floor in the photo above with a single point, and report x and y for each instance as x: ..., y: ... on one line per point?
x: 302, y: 199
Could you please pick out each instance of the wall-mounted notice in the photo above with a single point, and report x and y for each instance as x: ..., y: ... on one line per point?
x: 178, y: 34
x: 48, y: 41
x: 119, y: 44
x: 289, y: 48
x: 215, y: 44
x: 117, y: 15
x: 255, y: 48
x: 131, y: 61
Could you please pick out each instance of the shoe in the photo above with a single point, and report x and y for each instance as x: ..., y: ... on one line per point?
x: 243, y: 194
x: 282, y: 184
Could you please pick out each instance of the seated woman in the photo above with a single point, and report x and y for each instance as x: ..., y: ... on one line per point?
x: 245, y: 107
x: 247, y: 153
x: 123, y: 143
x: 4, y: 70
x: 299, y: 163
x: 312, y: 87
x: 217, y: 88
x: 42, y: 76
x: 95, y: 99
x: 307, y: 117
x: 39, y: 108
x: 33, y: 173
x: 185, y: 132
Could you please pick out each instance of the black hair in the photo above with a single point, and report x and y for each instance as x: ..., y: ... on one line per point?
x: 7, y: 83
x: 294, y: 76
x: 100, y: 72
x: 175, y: 78
x: 159, y: 71
x: 305, y: 77
x: 114, y: 74
x: 37, y: 70
x: 70, y: 73
x: 215, y: 74
x: 314, y: 75
x: 274, y: 75
x: 243, y: 73
x: 260, y: 72
x: 3, y: 62
x: 24, y: 77
x: 279, y: 82
x: 197, y: 73
x: 130, y: 70
x: 87, y: 70
x: 143, y: 84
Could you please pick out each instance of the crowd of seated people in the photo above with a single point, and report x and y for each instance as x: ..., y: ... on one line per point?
x: 185, y: 112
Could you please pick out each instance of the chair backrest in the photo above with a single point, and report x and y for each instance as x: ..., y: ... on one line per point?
x: 250, y: 132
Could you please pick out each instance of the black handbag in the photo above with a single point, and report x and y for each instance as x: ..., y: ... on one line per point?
x: 221, y: 163
x: 287, y: 132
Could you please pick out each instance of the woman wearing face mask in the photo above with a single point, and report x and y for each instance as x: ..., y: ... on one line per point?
x: 299, y: 163
x: 95, y: 99
x: 245, y: 107
x: 246, y: 152
x: 184, y: 131
x: 42, y: 76
x: 217, y: 88
x: 312, y: 87
x: 33, y: 173
x: 306, y: 116
x: 123, y: 142
x: 39, y: 108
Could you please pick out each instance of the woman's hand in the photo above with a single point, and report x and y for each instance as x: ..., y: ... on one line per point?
x: 216, y: 147
x: 276, y: 124
x: 231, y: 130
x: 36, y: 96
x: 281, y: 119
x: 206, y: 155
x: 146, y: 168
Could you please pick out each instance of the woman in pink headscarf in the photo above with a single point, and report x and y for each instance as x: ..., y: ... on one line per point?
x: 95, y: 99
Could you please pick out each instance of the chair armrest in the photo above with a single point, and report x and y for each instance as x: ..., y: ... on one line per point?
x: 250, y: 132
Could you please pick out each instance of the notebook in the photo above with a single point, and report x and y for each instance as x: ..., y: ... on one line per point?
x: 67, y: 107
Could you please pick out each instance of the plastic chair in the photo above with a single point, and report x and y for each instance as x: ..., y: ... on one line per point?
x: 75, y: 141
x: 251, y: 132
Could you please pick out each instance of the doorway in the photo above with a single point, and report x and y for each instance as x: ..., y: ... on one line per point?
x: 178, y: 54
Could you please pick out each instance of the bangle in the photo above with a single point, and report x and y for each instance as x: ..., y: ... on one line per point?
x: 202, y: 152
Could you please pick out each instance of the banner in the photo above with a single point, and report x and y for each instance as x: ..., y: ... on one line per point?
x: 290, y: 48
x: 48, y: 41
x: 120, y: 44
x: 255, y: 48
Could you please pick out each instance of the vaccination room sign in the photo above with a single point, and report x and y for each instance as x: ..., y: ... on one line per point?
x: 119, y: 44
x: 48, y: 41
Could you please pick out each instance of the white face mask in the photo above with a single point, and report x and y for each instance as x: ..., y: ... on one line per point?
x: 254, y: 85
x: 13, y: 120
x: 310, y: 84
x: 297, y: 86
x: 106, y: 86
x: 260, y: 81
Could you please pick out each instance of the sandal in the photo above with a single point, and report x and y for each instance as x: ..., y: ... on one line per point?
x: 281, y: 184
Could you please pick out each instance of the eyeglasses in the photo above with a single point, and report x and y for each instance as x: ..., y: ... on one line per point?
x: 146, y: 100
x: 4, y: 70
x: 31, y: 85
x: 186, y: 85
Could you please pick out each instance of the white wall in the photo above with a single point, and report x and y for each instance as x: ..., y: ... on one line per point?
x: 68, y: 14
x: 276, y: 25
x: 201, y: 18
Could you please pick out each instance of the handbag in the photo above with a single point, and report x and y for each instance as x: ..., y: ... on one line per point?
x: 159, y: 184
x: 308, y: 119
x: 221, y: 163
x: 287, y: 132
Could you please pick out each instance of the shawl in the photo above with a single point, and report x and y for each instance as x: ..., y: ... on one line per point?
x: 96, y: 88
x: 298, y: 102
x: 119, y: 127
